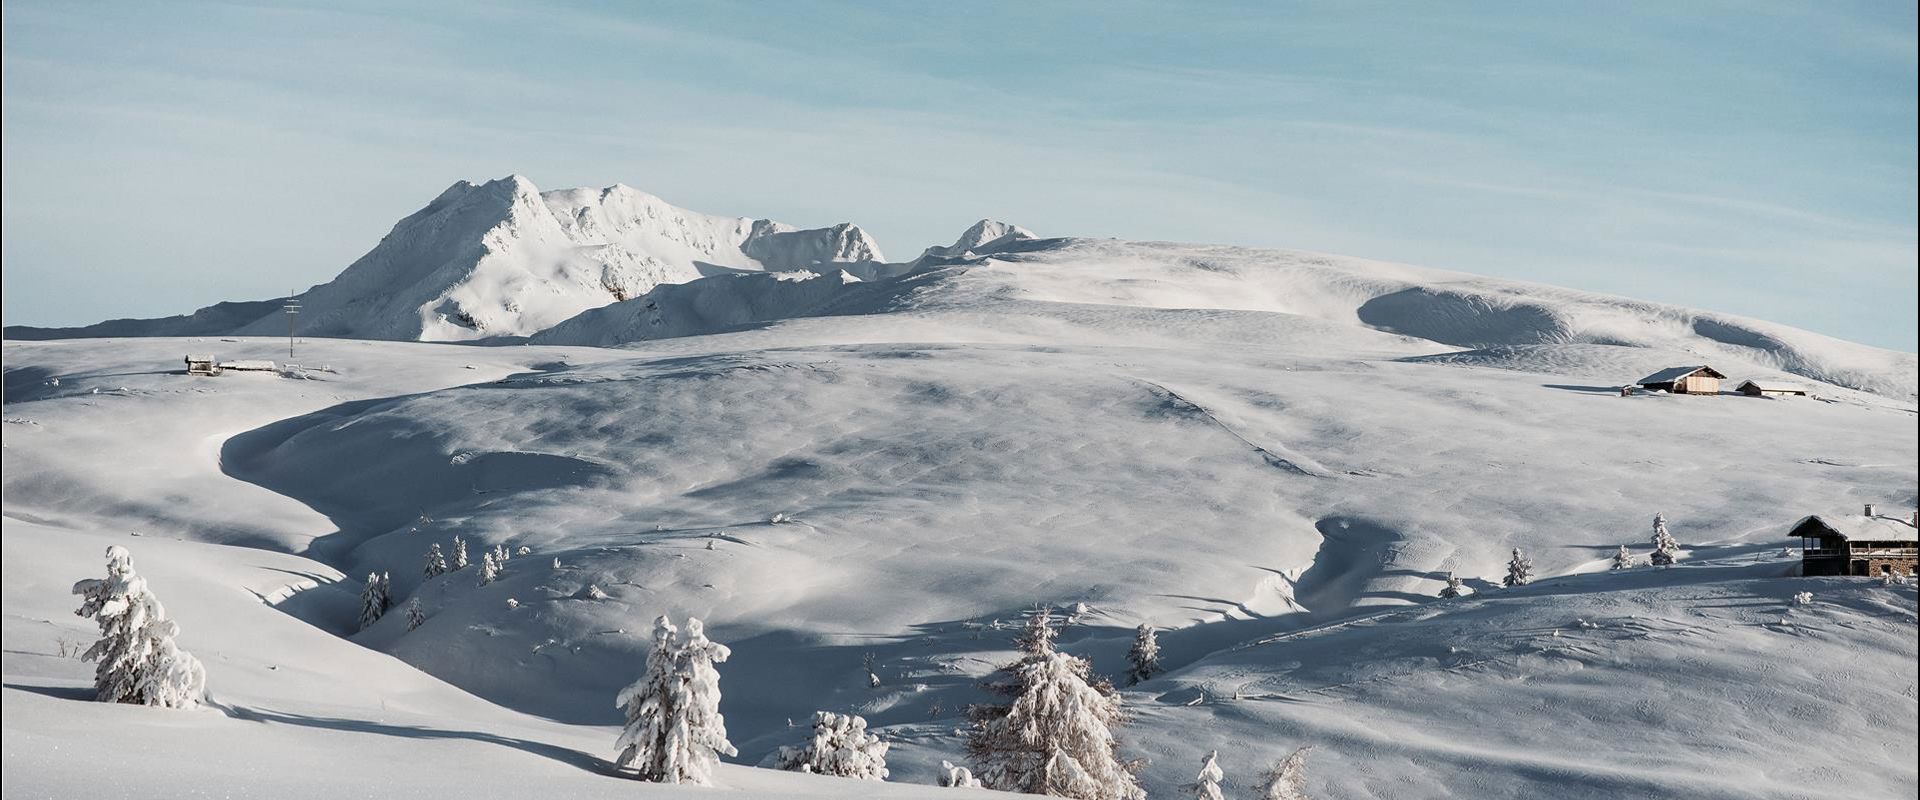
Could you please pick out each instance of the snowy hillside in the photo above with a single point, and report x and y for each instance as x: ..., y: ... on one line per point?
x: 931, y: 487
x: 862, y: 474
x: 502, y: 259
x: 1493, y: 321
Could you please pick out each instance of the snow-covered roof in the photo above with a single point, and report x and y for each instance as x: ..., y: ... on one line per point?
x: 1671, y: 374
x: 1773, y: 386
x: 246, y: 364
x: 199, y: 358
x: 1854, y: 527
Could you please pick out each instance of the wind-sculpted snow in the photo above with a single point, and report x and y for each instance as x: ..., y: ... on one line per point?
x: 933, y: 485
x: 823, y: 488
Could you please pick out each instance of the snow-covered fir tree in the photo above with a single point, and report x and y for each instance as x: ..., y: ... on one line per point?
x: 957, y: 777
x: 1665, y: 549
x: 375, y: 599
x: 1454, y: 588
x: 436, y: 565
x: 1055, y: 735
x: 1519, y: 570
x: 1288, y: 781
x: 415, y: 614
x: 459, y: 553
x: 1144, y: 655
x: 674, y: 731
x: 136, y: 660
x: 840, y: 746
x: 489, y: 568
x: 500, y: 553
x: 1207, y: 785
x: 1623, y: 559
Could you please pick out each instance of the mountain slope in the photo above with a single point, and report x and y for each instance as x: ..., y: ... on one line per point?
x: 501, y: 259
x: 1064, y: 278
x: 817, y: 500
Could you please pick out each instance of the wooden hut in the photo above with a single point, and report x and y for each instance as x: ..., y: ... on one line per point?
x: 1864, y: 544
x: 1753, y: 388
x: 1685, y: 380
x: 202, y: 365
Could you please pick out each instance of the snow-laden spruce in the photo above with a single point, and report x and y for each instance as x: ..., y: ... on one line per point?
x: 957, y: 777
x: 1143, y: 658
x: 1288, y: 780
x: 1054, y: 736
x: 489, y: 568
x: 459, y: 553
x: 1454, y: 588
x: 674, y: 731
x: 1665, y: 549
x: 840, y: 746
x: 415, y: 614
x: 1519, y: 570
x: 375, y: 598
x: 436, y: 565
x: 1623, y: 559
x: 136, y: 660
x: 1206, y: 786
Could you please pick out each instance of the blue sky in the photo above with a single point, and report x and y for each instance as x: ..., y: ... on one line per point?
x: 1754, y: 157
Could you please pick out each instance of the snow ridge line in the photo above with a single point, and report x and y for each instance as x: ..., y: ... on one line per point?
x: 1273, y: 459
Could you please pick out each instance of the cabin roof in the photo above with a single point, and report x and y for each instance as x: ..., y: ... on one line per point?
x: 1773, y: 386
x: 246, y: 364
x: 199, y: 358
x: 1856, y: 528
x: 1671, y: 374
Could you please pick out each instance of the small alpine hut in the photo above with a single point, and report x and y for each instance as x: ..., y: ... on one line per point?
x: 1864, y: 544
x: 1769, y: 388
x: 1685, y: 380
x: 202, y: 365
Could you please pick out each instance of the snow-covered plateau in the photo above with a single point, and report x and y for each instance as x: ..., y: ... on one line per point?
x: 863, y: 474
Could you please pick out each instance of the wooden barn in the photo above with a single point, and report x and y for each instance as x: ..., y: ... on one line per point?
x: 1685, y: 380
x: 1864, y: 544
x: 1752, y: 388
x: 202, y: 365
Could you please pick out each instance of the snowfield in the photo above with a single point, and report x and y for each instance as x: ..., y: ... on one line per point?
x: 1275, y: 458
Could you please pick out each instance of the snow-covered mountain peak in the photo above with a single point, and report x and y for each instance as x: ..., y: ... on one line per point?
x: 502, y: 258
x: 981, y: 236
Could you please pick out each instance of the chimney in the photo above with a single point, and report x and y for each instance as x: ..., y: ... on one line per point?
x: 1869, y: 511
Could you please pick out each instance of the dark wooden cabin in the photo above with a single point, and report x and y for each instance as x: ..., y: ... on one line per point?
x: 1685, y: 380
x: 1771, y: 389
x: 1866, y: 544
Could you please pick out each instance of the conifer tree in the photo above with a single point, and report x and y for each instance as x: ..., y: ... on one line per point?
x: 415, y: 614
x: 674, y: 731
x: 1144, y: 656
x: 1519, y: 570
x: 1054, y: 736
x: 1288, y: 781
x: 1665, y: 549
x: 459, y: 553
x: 1454, y: 588
x: 136, y: 659
x: 374, y: 600
x: 436, y: 562
x: 1623, y: 559
x: 1207, y: 785
x: 489, y: 568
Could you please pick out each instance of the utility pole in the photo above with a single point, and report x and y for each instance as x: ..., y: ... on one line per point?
x: 293, y: 311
